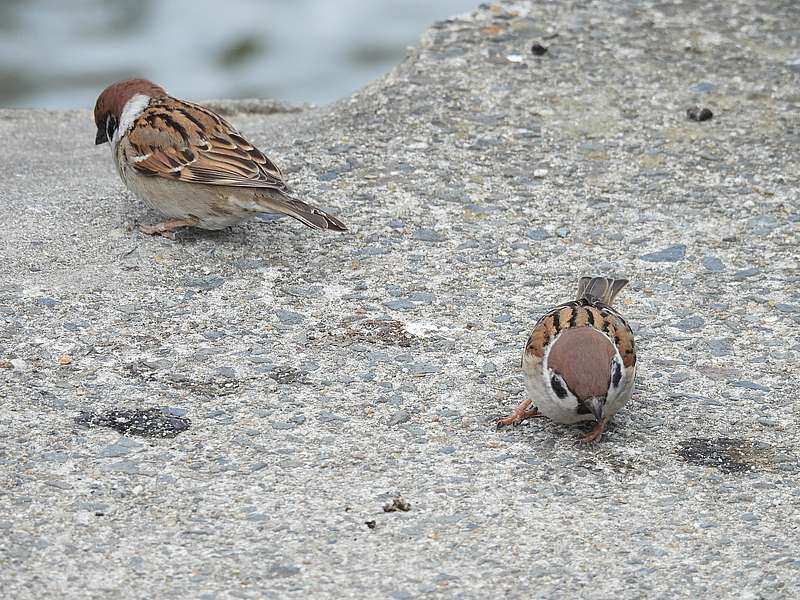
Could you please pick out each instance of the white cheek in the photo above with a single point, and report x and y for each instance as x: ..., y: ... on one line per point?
x: 130, y: 112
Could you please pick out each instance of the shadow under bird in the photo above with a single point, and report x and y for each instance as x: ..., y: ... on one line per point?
x: 579, y: 361
x: 188, y: 163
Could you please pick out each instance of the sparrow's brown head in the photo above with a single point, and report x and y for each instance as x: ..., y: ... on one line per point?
x: 581, y: 361
x: 111, y: 103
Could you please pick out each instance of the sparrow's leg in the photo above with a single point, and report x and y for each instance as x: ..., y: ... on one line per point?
x: 595, y: 434
x: 522, y: 412
x: 167, y: 227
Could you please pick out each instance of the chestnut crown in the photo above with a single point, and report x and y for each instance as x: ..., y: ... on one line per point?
x: 112, y: 100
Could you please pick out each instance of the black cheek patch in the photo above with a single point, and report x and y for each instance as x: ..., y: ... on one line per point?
x: 111, y: 127
x: 617, y: 376
x: 558, y: 387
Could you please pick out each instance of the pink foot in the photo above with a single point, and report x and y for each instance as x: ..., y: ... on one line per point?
x: 522, y: 412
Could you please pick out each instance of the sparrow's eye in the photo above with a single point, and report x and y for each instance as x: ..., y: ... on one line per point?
x: 111, y: 127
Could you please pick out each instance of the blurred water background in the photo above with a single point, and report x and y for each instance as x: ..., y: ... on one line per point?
x: 62, y: 53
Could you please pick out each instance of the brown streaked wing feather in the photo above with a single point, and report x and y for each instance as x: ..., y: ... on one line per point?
x: 548, y: 327
x: 579, y: 313
x: 209, y: 150
x: 618, y: 330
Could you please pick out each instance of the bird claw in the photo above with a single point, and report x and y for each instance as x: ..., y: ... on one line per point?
x: 521, y: 413
x: 594, y: 435
x: 167, y: 228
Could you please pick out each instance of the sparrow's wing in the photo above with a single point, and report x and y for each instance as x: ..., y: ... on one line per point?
x: 186, y: 142
x: 578, y: 313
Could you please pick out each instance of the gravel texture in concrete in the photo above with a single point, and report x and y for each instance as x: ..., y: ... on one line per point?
x: 226, y: 415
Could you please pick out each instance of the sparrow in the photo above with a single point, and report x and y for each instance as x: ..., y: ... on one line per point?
x: 190, y: 164
x: 580, y: 360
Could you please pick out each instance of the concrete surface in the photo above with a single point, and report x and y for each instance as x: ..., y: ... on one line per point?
x: 325, y: 374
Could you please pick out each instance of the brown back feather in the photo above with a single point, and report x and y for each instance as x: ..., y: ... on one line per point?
x: 211, y: 150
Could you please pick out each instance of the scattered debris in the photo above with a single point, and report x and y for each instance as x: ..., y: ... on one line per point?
x: 695, y: 113
x: 726, y: 454
x: 150, y: 422
x: 397, y: 503
x: 382, y: 332
x: 286, y: 375
x: 371, y: 524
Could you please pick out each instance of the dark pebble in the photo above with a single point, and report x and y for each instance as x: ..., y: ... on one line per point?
x: 720, y: 347
x: 427, y: 235
x: 401, y: 304
x: 538, y: 234
x: 699, y: 114
x: 226, y: 372
x: 713, y: 264
x: 538, y: 50
x: 690, y: 323
x: 288, y: 317
x: 422, y: 297
x: 277, y: 571
x: 745, y: 273
x: 702, y: 88
x: 749, y: 385
x: 670, y: 254
x: 401, y: 416
x: 326, y: 416
x: 205, y: 283
x: 678, y: 377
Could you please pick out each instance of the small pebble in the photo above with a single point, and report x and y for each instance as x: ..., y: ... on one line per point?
x: 698, y: 114
x: 745, y: 273
x: 19, y: 365
x: 713, y: 264
x: 538, y: 50
x: 401, y: 416
x: 398, y: 503
x: 669, y: 254
x: 538, y: 234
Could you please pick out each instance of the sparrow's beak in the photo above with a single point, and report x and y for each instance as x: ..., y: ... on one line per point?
x: 101, y: 137
x: 596, y: 405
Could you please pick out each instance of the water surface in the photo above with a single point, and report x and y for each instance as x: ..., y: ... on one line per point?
x: 60, y: 54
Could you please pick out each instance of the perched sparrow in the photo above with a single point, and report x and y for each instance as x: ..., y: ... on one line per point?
x: 190, y: 164
x: 580, y: 361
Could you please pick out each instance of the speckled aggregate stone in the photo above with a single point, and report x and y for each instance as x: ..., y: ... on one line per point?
x: 323, y: 374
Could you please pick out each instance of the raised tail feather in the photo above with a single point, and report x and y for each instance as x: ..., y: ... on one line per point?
x: 314, y: 217
x: 603, y: 289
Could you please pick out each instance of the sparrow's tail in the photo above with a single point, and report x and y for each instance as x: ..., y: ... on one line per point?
x: 314, y: 217
x: 603, y: 289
